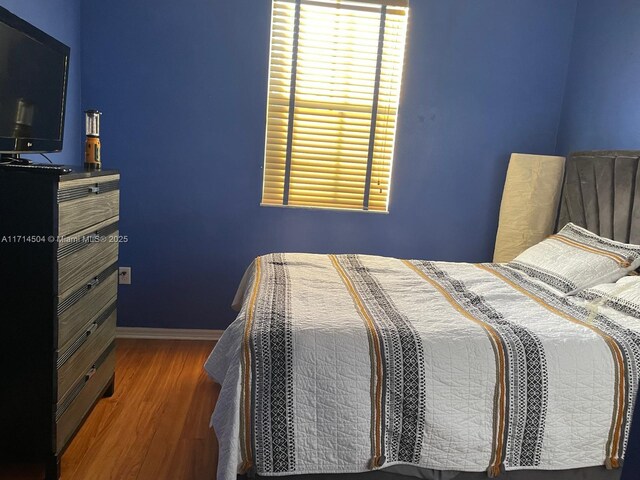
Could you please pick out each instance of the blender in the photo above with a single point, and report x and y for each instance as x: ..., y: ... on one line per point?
x: 92, y: 150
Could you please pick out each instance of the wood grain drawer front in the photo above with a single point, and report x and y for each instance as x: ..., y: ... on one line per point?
x: 86, y: 202
x: 86, y: 187
x: 72, y: 409
x: 97, y: 338
x: 75, y: 309
x: 90, y: 251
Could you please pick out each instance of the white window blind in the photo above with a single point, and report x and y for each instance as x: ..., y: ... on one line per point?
x: 334, y: 86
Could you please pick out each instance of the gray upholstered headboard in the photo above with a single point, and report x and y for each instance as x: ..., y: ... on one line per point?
x: 601, y: 192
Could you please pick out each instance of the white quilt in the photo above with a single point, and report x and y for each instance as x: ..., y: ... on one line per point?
x: 347, y: 363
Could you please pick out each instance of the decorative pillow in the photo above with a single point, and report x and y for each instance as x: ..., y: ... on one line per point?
x: 624, y: 295
x: 575, y: 259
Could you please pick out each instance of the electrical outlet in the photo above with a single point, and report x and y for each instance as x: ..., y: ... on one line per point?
x: 124, y: 275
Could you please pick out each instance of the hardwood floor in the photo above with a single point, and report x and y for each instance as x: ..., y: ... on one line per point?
x: 156, y: 425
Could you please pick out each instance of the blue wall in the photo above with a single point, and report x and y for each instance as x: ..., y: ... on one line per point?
x: 60, y: 19
x: 602, y: 103
x: 183, y: 87
x: 602, y: 100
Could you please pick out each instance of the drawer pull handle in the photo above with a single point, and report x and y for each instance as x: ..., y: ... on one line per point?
x: 90, y: 373
x: 92, y: 328
x: 93, y: 283
x: 94, y: 189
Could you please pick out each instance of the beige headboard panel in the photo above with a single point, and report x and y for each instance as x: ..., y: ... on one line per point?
x: 529, y: 203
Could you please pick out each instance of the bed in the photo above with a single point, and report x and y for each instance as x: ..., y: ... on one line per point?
x: 354, y: 364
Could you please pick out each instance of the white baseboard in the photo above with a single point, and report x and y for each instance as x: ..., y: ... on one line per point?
x: 168, y: 333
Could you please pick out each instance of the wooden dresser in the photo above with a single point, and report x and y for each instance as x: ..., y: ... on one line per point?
x: 58, y: 291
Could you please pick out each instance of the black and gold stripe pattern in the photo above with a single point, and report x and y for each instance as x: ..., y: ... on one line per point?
x: 623, y: 343
x: 521, y: 390
x: 268, y: 443
x: 398, y: 387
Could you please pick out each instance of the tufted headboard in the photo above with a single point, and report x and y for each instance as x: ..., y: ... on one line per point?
x: 601, y: 192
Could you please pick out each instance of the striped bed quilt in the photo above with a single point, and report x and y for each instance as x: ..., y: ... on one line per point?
x: 348, y: 363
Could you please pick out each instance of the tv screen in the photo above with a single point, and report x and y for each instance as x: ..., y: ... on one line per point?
x: 33, y: 86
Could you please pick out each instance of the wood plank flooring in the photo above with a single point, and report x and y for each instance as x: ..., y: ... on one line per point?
x: 156, y: 425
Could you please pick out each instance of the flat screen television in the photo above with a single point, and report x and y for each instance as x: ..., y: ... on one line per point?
x: 34, y: 70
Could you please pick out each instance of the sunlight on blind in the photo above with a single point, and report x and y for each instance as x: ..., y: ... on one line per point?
x: 334, y: 86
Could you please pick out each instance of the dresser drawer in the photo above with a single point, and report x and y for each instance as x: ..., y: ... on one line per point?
x: 84, y: 303
x: 87, y: 202
x: 89, y: 251
x: 82, y: 353
x: 72, y: 409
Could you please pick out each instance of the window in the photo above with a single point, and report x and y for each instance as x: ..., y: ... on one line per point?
x: 334, y: 86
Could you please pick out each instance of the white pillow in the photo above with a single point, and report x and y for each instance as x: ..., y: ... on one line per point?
x: 624, y: 295
x: 575, y: 259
